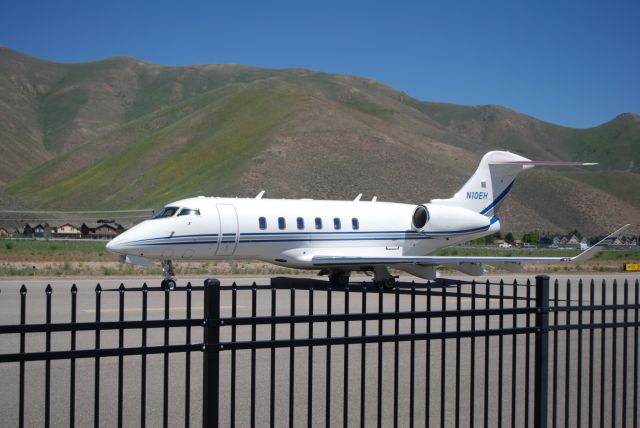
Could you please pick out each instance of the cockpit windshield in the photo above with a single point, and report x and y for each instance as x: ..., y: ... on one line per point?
x: 189, y: 211
x: 165, y: 212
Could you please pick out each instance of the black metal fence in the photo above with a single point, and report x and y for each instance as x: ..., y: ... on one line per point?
x: 98, y: 353
x: 299, y: 353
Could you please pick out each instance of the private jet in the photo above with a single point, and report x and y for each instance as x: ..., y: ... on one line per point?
x: 339, y: 237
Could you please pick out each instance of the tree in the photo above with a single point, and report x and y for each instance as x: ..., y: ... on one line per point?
x: 486, y: 240
x: 531, y: 238
x: 546, y: 240
x: 509, y: 237
x: 490, y: 239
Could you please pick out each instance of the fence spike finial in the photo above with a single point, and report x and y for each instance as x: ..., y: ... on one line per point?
x: 74, y: 289
x: 48, y: 290
x: 23, y: 289
x: 145, y: 287
x: 98, y: 289
x: 121, y: 288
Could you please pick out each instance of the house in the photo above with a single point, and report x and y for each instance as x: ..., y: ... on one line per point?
x: 104, y: 231
x: 67, y: 231
x: 38, y: 231
x: 118, y: 227
x: 573, y: 241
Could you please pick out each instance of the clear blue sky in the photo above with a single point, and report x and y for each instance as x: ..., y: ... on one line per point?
x: 575, y: 63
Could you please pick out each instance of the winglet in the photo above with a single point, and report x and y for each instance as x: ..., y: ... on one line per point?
x: 259, y: 196
x: 595, y: 249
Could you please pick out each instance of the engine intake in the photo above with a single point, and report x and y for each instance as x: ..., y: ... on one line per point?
x: 420, y: 217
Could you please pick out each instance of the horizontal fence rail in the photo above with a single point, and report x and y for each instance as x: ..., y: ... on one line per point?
x: 299, y: 353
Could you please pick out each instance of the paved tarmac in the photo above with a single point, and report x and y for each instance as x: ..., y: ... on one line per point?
x: 9, y: 314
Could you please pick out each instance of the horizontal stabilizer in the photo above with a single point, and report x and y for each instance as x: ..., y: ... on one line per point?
x: 542, y: 163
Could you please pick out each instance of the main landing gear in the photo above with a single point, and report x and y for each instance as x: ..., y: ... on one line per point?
x: 383, y: 279
x: 169, y: 281
x: 339, y: 278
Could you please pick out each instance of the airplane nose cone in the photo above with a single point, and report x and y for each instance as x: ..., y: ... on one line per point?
x: 115, y: 245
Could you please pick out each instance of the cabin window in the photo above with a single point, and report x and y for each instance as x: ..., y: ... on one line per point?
x: 189, y: 211
x: 336, y: 223
x: 355, y: 224
x: 166, y: 212
x: 318, y: 223
x: 300, y: 222
x: 262, y: 222
x: 281, y: 223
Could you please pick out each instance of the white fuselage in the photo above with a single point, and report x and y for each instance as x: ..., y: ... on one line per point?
x: 230, y: 228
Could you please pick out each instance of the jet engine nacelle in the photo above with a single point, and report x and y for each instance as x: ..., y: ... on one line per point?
x: 441, y: 218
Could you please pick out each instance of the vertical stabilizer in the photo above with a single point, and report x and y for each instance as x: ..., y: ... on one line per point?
x: 486, y: 189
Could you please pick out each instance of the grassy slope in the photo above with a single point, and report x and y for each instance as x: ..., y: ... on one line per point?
x: 22, y: 78
x: 199, y: 152
x: 625, y: 185
x: 614, y: 144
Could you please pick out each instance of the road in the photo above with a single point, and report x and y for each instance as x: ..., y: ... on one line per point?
x: 9, y: 314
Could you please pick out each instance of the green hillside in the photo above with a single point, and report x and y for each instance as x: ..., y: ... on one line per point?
x: 121, y: 133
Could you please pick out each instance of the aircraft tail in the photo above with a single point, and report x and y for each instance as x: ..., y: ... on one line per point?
x: 489, y: 185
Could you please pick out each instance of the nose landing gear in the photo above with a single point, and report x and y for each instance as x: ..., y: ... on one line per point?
x: 169, y: 282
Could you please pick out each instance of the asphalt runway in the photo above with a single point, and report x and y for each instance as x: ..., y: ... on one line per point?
x: 440, y: 296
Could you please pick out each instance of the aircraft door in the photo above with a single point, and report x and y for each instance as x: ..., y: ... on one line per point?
x: 228, y: 238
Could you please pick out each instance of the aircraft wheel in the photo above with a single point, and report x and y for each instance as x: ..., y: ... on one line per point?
x: 389, y: 283
x: 168, y: 284
x: 339, y: 278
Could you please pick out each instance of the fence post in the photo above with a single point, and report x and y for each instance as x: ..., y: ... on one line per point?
x: 541, y: 380
x: 211, y: 357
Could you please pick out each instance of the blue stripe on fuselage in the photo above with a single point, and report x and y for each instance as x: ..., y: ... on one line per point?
x: 497, y: 200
